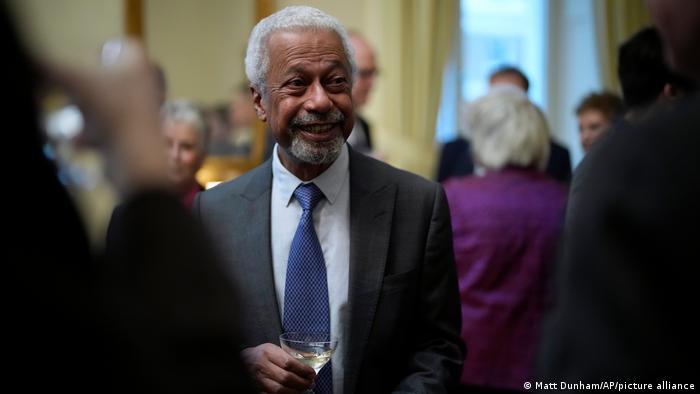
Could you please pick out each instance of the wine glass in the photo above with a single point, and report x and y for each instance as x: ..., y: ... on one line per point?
x: 314, y: 350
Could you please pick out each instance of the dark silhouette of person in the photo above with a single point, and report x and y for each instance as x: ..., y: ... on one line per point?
x: 625, y: 305
x: 156, y: 316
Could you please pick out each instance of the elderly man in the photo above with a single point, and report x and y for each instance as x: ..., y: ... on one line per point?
x: 323, y: 239
x: 627, y: 285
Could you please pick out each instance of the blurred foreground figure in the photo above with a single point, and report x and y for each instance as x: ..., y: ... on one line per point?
x: 648, y: 84
x: 157, y: 317
x: 648, y: 87
x: 626, y: 297
x: 506, y: 225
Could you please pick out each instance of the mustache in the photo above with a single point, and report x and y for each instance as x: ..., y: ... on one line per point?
x: 334, y: 116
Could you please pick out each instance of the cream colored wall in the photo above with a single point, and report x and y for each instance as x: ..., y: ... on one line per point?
x: 200, y: 44
x: 72, y: 30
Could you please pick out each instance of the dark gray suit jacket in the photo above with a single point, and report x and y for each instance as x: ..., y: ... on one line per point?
x: 404, y: 326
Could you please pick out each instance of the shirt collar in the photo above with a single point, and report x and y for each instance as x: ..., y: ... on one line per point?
x: 330, y: 181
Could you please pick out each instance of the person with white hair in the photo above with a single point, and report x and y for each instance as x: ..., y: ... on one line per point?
x: 186, y: 136
x: 323, y: 239
x: 455, y: 156
x: 506, y: 224
x: 507, y: 129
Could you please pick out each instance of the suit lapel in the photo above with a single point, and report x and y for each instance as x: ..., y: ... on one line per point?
x: 371, y: 212
x: 257, y: 256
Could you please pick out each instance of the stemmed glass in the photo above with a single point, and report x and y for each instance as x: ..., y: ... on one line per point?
x: 314, y: 350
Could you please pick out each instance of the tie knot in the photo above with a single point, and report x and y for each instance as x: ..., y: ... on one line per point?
x: 308, y: 195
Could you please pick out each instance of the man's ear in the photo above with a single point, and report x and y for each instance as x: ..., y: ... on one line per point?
x: 258, y: 104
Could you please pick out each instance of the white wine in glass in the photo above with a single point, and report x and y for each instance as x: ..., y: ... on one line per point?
x: 314, y: 350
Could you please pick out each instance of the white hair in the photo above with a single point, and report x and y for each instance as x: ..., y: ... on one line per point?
x: 506, y: 128
x: 294, y: 18
x: 185, y: 111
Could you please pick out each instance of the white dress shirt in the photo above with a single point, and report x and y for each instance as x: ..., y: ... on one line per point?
x: 332, y: 224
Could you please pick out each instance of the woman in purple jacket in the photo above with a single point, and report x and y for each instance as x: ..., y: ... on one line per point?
x: 506, y: 224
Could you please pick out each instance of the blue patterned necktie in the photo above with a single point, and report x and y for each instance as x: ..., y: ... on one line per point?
x: 306, y: 288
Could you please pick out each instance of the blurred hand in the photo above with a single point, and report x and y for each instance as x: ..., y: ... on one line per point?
x: 119, y: 101
x: 275, y: 371
x: 122, y: 86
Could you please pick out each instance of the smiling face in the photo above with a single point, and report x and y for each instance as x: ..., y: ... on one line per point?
x: 307, y: 103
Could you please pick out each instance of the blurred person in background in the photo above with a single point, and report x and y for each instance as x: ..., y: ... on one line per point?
x: 559, y: 162
x: 361, y: 137
x: 218, y: 124
x: 233, y: 135
x: 158, y: 317
x: 510, y: 76
x: 185, y: 134
x: 185, y: 137
x: 455, y: 156
x: 506, y: 225
x: 648, y: 86
x: 161, y: 83
x: 596, y: 114
x: 626, y: 286
x: 242, y: 119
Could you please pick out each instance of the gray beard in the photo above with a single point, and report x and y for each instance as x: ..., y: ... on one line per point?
x: 315, y: 153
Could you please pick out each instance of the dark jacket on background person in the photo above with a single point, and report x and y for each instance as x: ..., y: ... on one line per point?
x: 626, y: 285
x: 456, y: 160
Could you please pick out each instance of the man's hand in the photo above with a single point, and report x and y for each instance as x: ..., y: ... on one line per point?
x: 275, y: 371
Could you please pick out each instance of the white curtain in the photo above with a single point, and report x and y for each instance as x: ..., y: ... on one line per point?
x: 573, y: 67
